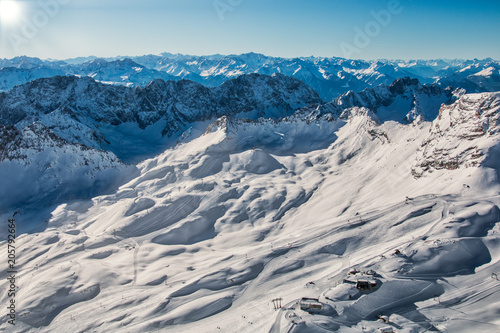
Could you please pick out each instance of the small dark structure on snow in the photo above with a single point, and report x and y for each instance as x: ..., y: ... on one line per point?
x: 310, y: 304
x: 364, y: 281
x: 366, y: 285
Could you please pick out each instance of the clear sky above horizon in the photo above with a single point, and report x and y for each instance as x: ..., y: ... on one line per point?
x: 361, y: 29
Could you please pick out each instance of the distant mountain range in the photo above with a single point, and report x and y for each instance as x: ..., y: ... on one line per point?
x: 330, y: 77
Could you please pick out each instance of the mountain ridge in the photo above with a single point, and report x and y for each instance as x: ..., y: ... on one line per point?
x: 329, y: 76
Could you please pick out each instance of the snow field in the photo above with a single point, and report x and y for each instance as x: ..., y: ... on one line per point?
x: 211, y: 231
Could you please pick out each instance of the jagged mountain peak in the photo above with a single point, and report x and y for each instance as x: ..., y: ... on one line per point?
x: 96, y: 62
x: 401, y: 84
x: 462, y: 135
x: 405, y: 100
x: 250, y: 56
x: 59, y: 81
x: 127, y: 62
x: 22, y: 62
x: 273, y: 79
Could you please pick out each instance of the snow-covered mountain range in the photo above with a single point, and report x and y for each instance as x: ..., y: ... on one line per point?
x: 254, y: 205
x: 330, y: 77
x: 405, y: 100
x: 69, y: 113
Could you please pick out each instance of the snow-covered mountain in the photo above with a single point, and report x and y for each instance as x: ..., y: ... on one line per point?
x: 464, y: 134
x: 474, y: 77
x: 330, y: 77
x: 54, y: 130
x: 122, y: 72
x: 247, y: 203
x: 405, y: 99
x: 84, y: 111
x: 39, y: 168
x: 326, y: 216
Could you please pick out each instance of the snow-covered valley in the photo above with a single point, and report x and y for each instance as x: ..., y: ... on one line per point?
x: 217, y: 232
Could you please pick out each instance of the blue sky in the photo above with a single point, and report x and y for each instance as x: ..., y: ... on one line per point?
x: 361, y: 29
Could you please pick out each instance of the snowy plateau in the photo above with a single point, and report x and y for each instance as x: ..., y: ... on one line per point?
x: 250, y: 194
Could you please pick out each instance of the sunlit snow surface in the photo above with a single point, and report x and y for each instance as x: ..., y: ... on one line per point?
x: 214, y: 229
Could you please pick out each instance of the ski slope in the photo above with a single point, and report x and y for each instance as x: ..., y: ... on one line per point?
x: 211, y: 231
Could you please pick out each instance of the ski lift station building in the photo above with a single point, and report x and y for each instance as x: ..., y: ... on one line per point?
x: 363, y: 281
x: 310, y: 304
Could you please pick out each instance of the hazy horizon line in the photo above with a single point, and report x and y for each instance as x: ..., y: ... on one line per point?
x: 164, y: 54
